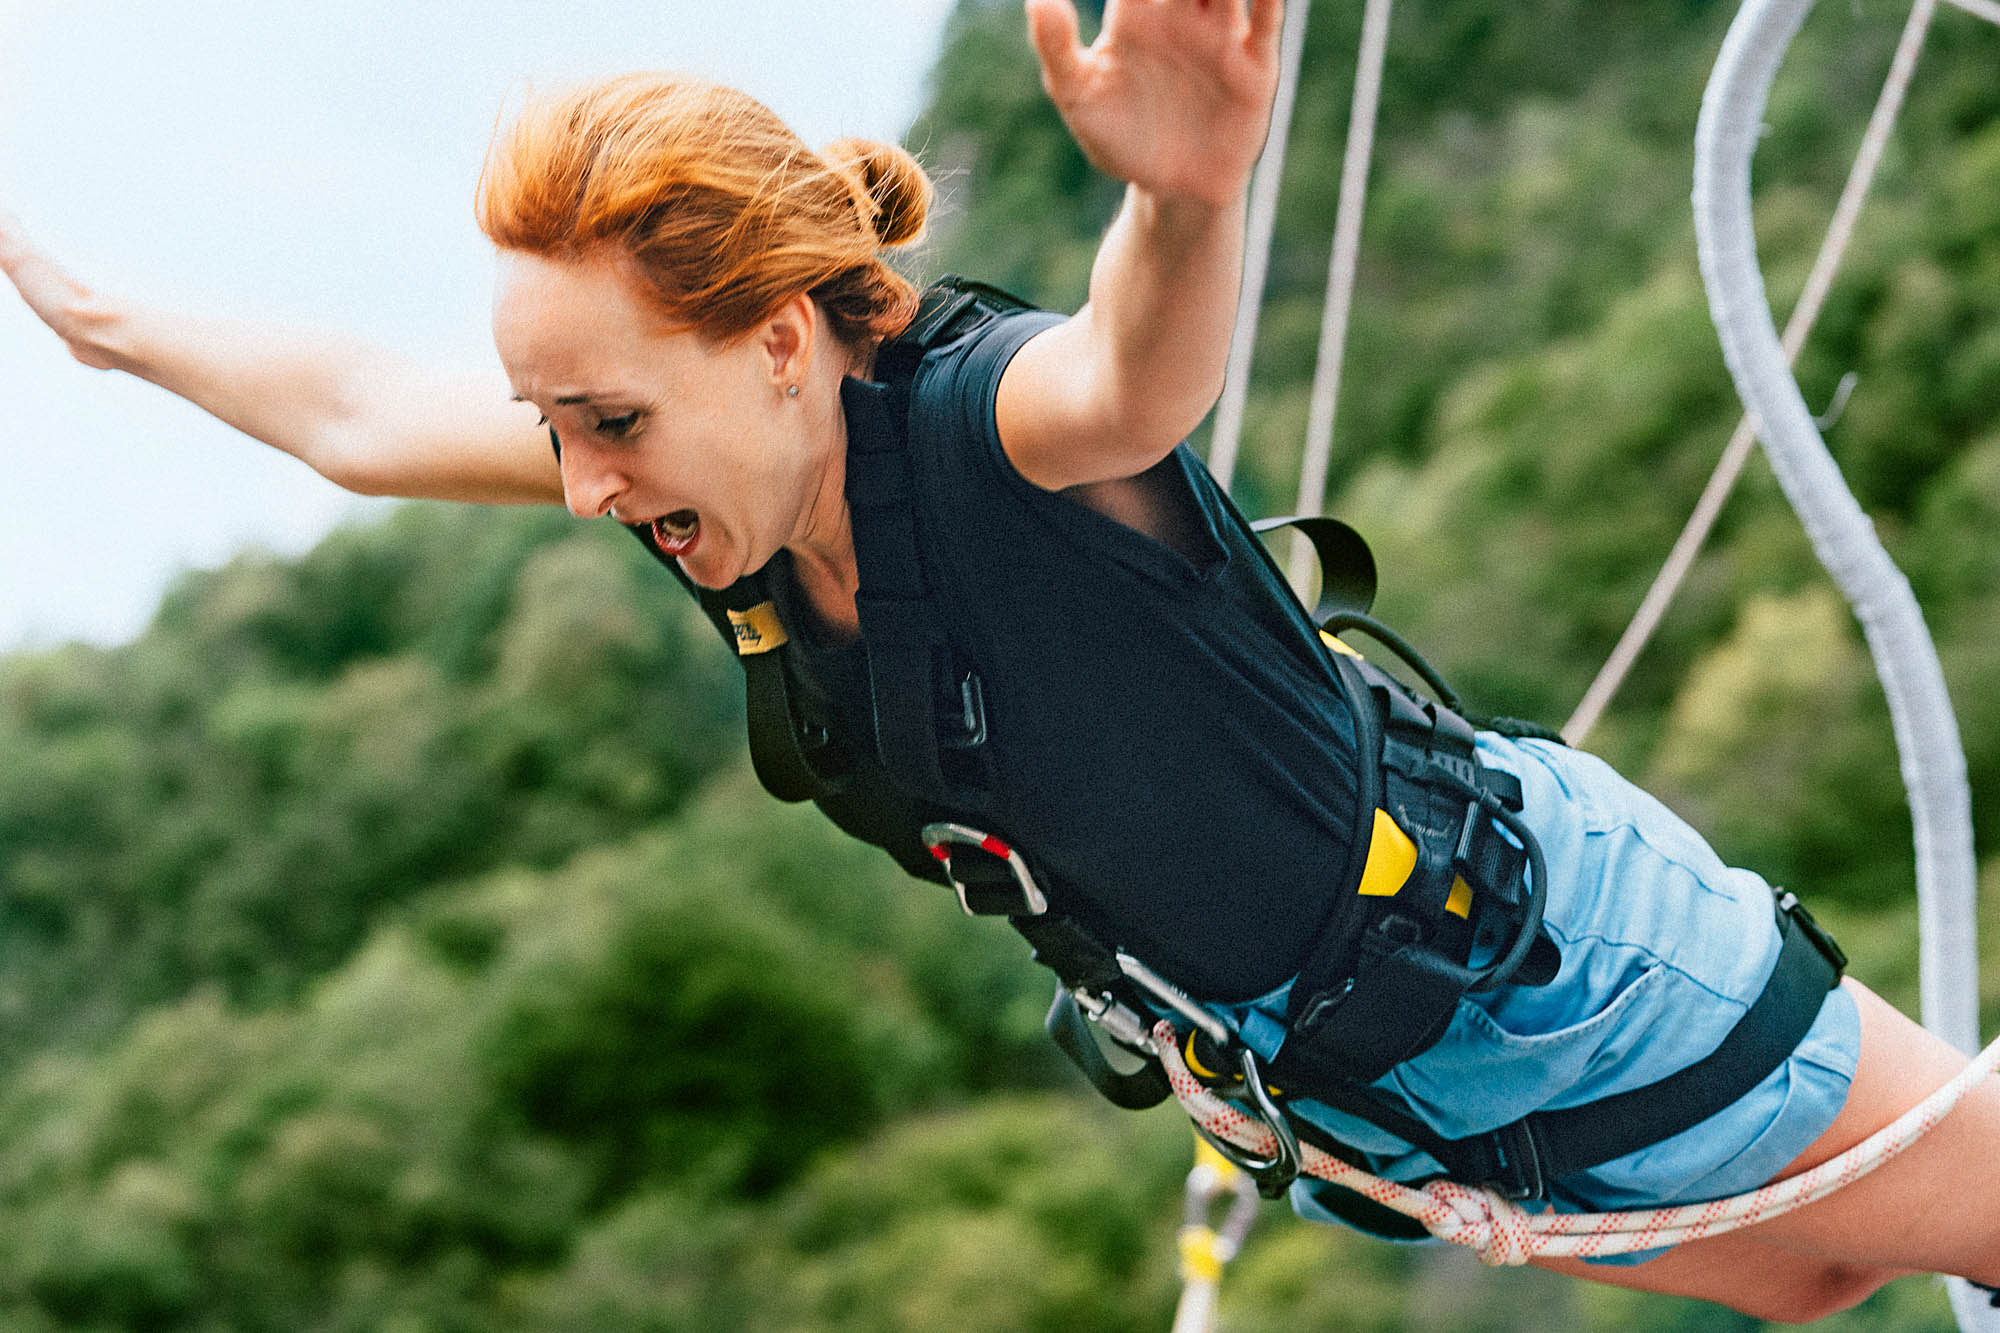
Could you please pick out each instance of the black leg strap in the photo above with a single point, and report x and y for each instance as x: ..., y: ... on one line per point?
x: 1521, y: 1158
x: 1579, y: 1137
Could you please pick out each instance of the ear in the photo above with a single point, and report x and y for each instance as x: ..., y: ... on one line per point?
x: 788, y: 340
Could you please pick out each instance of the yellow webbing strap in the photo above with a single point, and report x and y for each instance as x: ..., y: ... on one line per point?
x: 1200, y: 1071
x: 1199, y: 1260
x: 758, y: 630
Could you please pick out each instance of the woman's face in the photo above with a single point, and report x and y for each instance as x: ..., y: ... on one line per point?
x: 658, y: 425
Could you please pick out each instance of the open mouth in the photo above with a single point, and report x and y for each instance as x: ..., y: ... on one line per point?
x: 676, y: 533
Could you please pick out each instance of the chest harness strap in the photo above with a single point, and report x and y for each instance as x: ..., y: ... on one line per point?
x: 1443, y: 895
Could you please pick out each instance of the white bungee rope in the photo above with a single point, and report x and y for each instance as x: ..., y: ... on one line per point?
x: 1920, y: 711
x: 1927, y: 741
x: 1206, y: 1246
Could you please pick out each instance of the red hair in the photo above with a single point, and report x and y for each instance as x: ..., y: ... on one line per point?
x: 726, y: 212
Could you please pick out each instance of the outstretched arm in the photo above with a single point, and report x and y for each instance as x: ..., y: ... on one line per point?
x: 1174, y: 98
x: 363, y: 417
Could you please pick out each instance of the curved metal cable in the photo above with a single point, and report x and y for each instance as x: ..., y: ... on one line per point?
x: 1927, y: 740
x: 1667, y: 583
x: 1226, y: 436
x: 1340, y: 278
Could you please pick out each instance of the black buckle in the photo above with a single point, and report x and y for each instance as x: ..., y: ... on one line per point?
x: 989, y: 877
x: 1486, y: 860
x: 964, y: 728
x: 1516, y: 1171
x: 1815, y: 933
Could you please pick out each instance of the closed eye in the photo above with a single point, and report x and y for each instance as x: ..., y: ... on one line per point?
x: 618, y: 427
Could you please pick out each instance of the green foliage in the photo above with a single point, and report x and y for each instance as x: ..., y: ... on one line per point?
x: 229, y: 800
x: 443, y: 1127
x: 693, y: 1036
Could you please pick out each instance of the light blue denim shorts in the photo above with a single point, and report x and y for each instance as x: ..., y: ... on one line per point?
x: 1663, y: 949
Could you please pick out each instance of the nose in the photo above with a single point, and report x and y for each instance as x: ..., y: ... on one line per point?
x: 589, y: 487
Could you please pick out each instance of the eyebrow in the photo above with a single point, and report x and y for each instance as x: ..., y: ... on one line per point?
x: 567, y: 400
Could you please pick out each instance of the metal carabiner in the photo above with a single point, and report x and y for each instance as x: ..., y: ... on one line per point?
x: 1007, y: 889
x: 1274, y: 1174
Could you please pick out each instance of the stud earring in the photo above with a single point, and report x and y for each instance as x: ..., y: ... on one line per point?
x: 791, y: 391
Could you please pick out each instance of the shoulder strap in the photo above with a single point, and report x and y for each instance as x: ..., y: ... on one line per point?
x: 792, y: 762
x: 930, y: 712
x: 789, y: 764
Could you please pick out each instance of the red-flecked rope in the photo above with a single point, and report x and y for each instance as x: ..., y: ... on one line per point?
x: 1501, y: 1232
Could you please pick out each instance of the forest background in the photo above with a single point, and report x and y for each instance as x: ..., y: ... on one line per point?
x: 393, y: 938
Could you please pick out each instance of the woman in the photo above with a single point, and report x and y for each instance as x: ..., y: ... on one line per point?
x: 688, y: 299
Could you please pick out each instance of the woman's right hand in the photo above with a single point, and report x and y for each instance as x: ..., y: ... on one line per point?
x: 367, y: 419
x: 1173, y: 97
x: 58, y: 299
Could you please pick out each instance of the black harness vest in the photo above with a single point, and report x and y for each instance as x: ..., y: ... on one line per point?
x: 1442, y: 895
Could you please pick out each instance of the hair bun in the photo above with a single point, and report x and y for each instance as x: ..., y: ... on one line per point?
x: 891, y: 188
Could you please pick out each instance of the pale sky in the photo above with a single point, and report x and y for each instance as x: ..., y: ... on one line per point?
x: 308, y: 162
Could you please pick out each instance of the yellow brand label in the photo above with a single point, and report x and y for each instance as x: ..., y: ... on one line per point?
x: 758, y: 630
x: 1391, y: 858
x: 1459, y: 901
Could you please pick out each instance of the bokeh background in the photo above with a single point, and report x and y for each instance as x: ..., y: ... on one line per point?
x: 391, y: 935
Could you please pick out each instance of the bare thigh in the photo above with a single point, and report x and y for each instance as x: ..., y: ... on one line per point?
x: 1934, y: 1209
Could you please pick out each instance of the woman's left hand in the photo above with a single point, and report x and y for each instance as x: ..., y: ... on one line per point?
x: 1174, y: 96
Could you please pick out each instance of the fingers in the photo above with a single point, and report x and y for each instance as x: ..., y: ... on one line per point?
x: 1267, y: 20
x: 34, y: 273
x: 12, y: 240
x: 1052, y: 26
x: 1260, y: 27
x: 56, y: 298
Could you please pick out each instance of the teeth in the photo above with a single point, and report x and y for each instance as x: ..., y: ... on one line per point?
x: 675, y: 533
